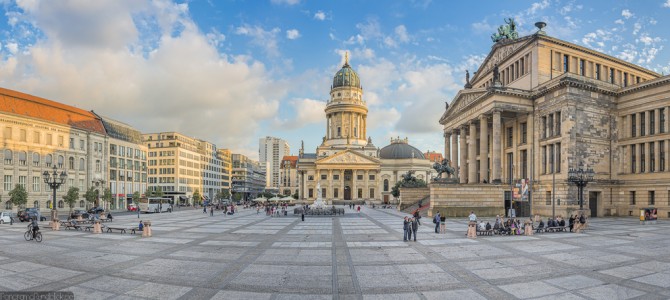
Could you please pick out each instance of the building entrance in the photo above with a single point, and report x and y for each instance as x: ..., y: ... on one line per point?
x: 347, y: 193
x: 593, y: 203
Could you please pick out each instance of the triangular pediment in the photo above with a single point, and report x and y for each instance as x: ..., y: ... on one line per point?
x: 500, y: 52
x: 349, y: 157
x: 461, y: 101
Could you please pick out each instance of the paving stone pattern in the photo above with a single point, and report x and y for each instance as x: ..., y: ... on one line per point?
x: 356, y: 256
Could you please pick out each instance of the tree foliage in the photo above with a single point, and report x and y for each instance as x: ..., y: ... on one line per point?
x: 91, y: 195
x: 71, y: 197
x: 197, y: 198
x: 107, y: 195
x: 136, y: 197
x: 18, y: 196
x: 237, y: 196
x: 159, y: 192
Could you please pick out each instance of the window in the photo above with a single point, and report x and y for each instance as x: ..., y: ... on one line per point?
x: 524, y: 133
x: 81, y: 203
x: 371, y: 177
x: 310, y: 178
x: 386, y: 185
x: 98, y: 166
x: 8, y: 183
x: 82, y: 145
x: 524, y: 164
x: 597, y: 71
x: 661, y: 155
x: 336, y: 192
x: 661, y: 117
x: 625, y: 79
x: 544, y: 159
x: 37, y: 181
x: 71, y: 143
x: 360, y: 193
x: 642, y: 124
x: 60, y: 204
x: 339, y: 131
x: 323, y: 193
x: 582, y: 69
x: 372, y: 193
x: 522, y: 66
x: 642, y: 162
x: 510, y: 167
x: 22, y: 181
x: 552, y: 159
x: 324, y: 176
x: 612, y: 76
x: 36, y: 159
x: 558, y: 123
x: 8, y: 205
x: 48, y: 160
x: 509, y: 137
x: 632, y: 159
x: 544, y: 127
x: 359, y: 177
x: 60, y: 141
x: 82, y: 164
x: 36, y: 137
x: 550, y: 124
x: 112, y: 174
x: 7, y: 133
x: 70, y: 163
x: 652, y: 197
x: 61, y: 159
x: 566, y: 63
x: 112, y: 149
x: 652, y: 157
x: 632, y: 197
x: 23, y: 158
x: 49, y: 139
x: 633, y: 125
x: 336, y: 177
x: 22, y: 135
x: 8, y: 156
x: 558, y: 157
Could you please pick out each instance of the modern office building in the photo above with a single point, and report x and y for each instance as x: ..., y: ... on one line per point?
x: 226, y: 157
x: 248, y: 177
x: 271, y: 150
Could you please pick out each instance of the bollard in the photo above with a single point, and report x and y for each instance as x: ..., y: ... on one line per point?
x: 472, y: 230
x: 528, y: 229
x: 96, y: 227
x: 147, y: 229
x: 55, y: 225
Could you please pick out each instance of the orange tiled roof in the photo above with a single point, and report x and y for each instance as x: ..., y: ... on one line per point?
x: 35, y: 107
x: 433, y: 156
x: 293, y: 159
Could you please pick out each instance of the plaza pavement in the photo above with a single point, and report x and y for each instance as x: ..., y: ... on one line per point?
x: 357, y: 256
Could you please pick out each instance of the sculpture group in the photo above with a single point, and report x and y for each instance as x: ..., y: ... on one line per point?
x: 506, y: 32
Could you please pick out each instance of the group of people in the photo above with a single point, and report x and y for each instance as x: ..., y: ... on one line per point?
x: 227, y: 209
x: 410, y: 227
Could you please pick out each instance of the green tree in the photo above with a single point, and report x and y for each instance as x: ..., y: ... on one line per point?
x: 159, y: 192
x: 91, y: 196
x: 296, y: 195
x: 107, y: 196
x: 226, y: 194
x: 136, y: 197
x: 150, y: 193
x: 18, y: 196
x: 218, y: 196
x: 237, y: 196
x: 197, y: 198
x: 71, y: 197
x: 395, y: 190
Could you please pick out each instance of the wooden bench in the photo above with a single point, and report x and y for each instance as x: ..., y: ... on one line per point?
x: 134, y: 230
x: 484, y: 232
x: 555, y: 229
x: 120, y: 229
x: 69, y: 226
x: 105, y: 220
x: 89, y: 227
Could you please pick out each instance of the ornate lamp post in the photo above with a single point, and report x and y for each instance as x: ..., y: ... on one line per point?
x: 54, y: 180
x: 581, y: 178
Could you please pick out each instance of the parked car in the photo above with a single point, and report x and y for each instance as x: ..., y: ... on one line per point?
x: 30, y: 213
x: 96, y: 210
x: 79, y: 212
x: 5, y: 217
x: 132, y: 207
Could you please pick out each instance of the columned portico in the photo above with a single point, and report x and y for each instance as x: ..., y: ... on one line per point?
x: 483, y: 148
x: 472, y: 153
x: 454, y: 149
x: 463, y: 161
x: 497, y: 149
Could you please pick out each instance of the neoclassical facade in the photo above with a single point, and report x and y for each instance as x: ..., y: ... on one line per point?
x: 539, y: 106
x: 348, y: 166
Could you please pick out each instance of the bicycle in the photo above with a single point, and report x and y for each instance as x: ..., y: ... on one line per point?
x: 29, y: 236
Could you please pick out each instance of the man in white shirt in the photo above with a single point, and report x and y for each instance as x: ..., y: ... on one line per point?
x: 473, y: 217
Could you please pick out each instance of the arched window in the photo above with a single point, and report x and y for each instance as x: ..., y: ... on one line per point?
x: 70, y: 163
x: 61, y: 160
x: 36, y: 159
x: 98, y: 167
x: 81, y: 203
x: 82, y: 164
x: 23, y: 158
x: 60, y: 204
x: 8, y: 205
x: 386, y: 185
x: 8, y: 157
x: 36, y: 204
x: 48, y: 160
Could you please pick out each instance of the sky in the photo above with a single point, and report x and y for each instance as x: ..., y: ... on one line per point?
x: 233, y: 71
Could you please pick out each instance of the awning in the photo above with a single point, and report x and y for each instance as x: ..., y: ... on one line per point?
x: 182, y: 198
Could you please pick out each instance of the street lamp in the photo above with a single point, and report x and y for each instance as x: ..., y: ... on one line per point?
x: 54, y: 180
x: 581, y: 178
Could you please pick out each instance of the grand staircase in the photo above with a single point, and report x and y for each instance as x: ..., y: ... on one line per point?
x: 423, y: 209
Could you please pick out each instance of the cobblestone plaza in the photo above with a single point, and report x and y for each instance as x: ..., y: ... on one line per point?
x: 357, y: 256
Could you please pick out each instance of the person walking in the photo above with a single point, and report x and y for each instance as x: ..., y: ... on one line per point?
x: 417, y: 216
x: 211, y: 211
x: 409, y: 229
x: 204, y: 209
x: 437, y: 219
x: 302, y: 215
x: 415, y: 226
x: 405, y: 229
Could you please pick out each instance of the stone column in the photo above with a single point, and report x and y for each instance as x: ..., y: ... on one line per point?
x: 463, y: 161
x: 447, y: 146
x: 483, y: 148
x: 637, y: 158
x: 496, y: 165
x: 530, y: 121
x: 666, y: 145
x: 657, y: 155
x: 302, y: 186
x: 354, y: 190
x: 637, y: 124
x: 657, y: 121
x: 472, y: 153
x: 647, y: 158
x: 454, y: 149
x: 342, y: 184
x: 366, y: 192
x: 330, y: 184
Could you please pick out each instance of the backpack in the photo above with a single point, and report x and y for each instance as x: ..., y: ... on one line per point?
x: 435, y: 219
x: 582, y: 220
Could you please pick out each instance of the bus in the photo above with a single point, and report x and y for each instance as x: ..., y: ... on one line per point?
x: 155, y: 205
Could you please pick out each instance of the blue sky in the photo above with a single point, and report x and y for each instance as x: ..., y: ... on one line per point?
x: 232, y: 71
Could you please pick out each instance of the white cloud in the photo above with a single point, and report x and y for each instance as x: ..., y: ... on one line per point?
x: 307, y: 112
x: 287, y: 2
x: 401, y: 33
x: 626, y: 14
x: 320, y: 15
x: 667, y: 3
x: 636, y: 28
x: 619, y: 21
x: 215, y: 37
x: 390, y: 42
x: 267, y: 39
x: 155, y: 91
x: 12, y: 47
x: 537, y: 6
x: 292, y: 34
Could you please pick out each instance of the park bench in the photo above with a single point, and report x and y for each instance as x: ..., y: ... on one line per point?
x: 105, y: 220
x: 120, y: 229
x: 555, y: 229
x: 484, y: 232
x: 89, y: 227
x: 134, y: 230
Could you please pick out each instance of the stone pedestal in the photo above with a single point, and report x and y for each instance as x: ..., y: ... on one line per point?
x: 96, y: 227
x: 147, y: 229
x: 443, y: 227
x: 472, y: 230
x: 54, y: 214
x: 79, y: 218
x: 55, y: 225
x: 528, y: 229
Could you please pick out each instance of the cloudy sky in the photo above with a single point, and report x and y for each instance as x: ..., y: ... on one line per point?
x: 231, y: 71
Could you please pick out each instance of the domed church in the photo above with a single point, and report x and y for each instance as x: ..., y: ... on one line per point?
x: 347, y: 166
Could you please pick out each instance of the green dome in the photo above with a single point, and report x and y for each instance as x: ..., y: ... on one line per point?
x: 346, y: 77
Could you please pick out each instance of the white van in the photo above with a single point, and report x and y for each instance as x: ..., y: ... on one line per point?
x: 5, y: 217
